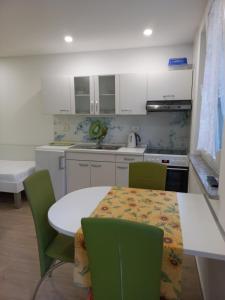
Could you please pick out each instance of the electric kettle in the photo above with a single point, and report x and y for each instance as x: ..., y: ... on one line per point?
x: 133, y: 140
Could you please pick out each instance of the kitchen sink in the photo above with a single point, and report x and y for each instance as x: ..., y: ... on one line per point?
x: 97, y: 147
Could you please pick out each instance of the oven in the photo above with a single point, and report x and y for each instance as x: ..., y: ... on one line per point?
x: 177, y: 168
x: 177, y: 179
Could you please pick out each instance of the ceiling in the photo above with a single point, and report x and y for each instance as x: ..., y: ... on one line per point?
x: 38, y: 26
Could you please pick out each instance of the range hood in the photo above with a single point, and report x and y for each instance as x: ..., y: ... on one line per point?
x: 168, y: 105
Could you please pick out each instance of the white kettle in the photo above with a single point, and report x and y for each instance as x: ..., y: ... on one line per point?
x: 131, y: 140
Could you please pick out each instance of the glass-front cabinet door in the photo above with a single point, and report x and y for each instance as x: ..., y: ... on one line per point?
x: 105, y: 94
x: 84, y: 95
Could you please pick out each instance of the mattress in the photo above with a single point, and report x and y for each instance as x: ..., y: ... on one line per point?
x: 15, y: 171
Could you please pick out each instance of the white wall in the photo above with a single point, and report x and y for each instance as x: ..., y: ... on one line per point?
x: 22, y: 123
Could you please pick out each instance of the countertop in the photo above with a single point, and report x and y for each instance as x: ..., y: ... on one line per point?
x: 120, y: 151
x: 53, y: 148
x: 63, y: 147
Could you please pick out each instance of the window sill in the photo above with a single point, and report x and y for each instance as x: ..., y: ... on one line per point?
x: 203, y: 170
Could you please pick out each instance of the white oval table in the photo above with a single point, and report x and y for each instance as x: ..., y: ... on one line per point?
x: 65, y: 215
x: 201, y: 236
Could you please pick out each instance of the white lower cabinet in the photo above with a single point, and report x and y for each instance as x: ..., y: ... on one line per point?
x: 54, y: 161
x: 122, y: 174
x: 88, y: 169
x: 77, y: 175
x: 102, y: 173
x: 122, y: 168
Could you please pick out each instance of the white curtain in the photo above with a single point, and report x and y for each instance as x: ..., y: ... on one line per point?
x: 213, y: 89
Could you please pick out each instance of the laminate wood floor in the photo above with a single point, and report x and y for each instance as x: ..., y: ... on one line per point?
x: 19, y: 265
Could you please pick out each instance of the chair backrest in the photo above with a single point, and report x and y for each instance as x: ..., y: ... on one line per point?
x: 40, y: 194
x: 147, y: 175
x: 124, y: 258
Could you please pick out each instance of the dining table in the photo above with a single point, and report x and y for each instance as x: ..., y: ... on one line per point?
x: 196, y: 232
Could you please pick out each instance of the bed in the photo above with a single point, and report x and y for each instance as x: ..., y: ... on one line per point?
x: 12, y: 174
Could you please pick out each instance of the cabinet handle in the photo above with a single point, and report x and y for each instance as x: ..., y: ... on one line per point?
x: 126, y: 110
x: 96, y: 166
x: 64, y: 110
x: 61, y: 163
x: 96, y: 107
x: 178, y: 169
x: 92, y: 108
x: 83, y: 165
x: 129, y: 159
x: 122, y: 168
x: 168, y: 96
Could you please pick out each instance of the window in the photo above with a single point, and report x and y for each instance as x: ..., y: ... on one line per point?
x: 213, y: 89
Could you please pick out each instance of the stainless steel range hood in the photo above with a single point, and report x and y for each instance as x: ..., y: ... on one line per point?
x: 168, y: 105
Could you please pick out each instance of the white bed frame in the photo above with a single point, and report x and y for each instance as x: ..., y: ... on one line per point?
x: 13, y: 187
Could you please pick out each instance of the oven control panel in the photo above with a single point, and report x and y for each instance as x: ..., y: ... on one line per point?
x: 169, y: 160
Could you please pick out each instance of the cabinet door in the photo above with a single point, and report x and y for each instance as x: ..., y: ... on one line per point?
x: 132, y: 94
x: 57, y: 95
x: 77, y: 175
x: 170, y: 85
x: 84, y: 95
x: 102, y: 173
x: 122, y: 174
x: 54, y: 162
x: 106, y: 94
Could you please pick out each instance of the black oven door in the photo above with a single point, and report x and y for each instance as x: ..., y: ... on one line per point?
x: 177, y: 179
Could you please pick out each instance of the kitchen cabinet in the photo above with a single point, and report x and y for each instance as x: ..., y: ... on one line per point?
x: 96, y: 95
x: 57, y: 96
x: 122, y: 174
x: 122, y: 168
x: 170, y: 85
x: 53, y: 159
x: 102, y: 173
x: 84, y: 95
x: 106, y: 94
x: 77, y: 175
x: 132, y: 94
x: 95, y: 169
x: 124, y: 94
x: 89, y: 169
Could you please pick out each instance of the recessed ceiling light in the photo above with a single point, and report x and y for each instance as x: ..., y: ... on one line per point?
x: 148, y: 32
x: 68, y: 39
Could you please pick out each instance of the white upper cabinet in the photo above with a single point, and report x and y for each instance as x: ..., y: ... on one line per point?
x: 106, y: 94
x: 57, y: 95
x: 84, y: 95
x: 170, y: 85
x: 132, y: 94
x: 95, y: 95
x: 124, y: 94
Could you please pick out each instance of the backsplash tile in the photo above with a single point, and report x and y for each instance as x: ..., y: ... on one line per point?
x: 169, y: 130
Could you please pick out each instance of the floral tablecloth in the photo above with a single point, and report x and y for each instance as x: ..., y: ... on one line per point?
x: 152, y: 207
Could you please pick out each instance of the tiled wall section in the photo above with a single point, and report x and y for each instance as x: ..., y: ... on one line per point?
x: 169, y: 130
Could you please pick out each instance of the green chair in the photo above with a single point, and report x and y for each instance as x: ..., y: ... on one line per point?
x: 54, y: 249
x: 147, y: 175
x: 124, y: 258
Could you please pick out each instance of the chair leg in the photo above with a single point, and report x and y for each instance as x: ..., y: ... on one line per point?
x: 47, y: 274
x: 90, y: 294
x: 38, y: 285
x: 55, y: 266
